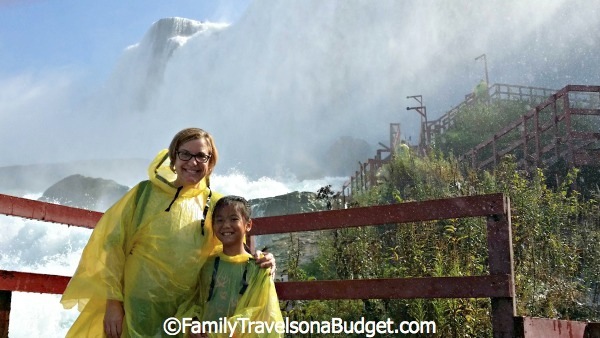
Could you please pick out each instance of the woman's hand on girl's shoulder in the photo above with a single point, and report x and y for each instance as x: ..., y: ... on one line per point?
x: 266, y: 260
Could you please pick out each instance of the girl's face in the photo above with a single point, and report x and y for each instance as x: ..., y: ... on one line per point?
x: 230, y: 227
x: 190, y: 172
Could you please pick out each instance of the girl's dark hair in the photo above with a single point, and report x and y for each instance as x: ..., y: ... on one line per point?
x: 240, y: 203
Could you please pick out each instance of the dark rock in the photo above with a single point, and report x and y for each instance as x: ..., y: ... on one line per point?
x: 84, y: 192
x: 280, y: 244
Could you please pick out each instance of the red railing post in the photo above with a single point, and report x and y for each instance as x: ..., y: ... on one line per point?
x: 538, y: 150
x: 524, y: 140
x: 500, y: 251
x: 569, y: 127
x: 5, y: 297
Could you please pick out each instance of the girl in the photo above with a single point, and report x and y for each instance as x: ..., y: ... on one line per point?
x: 231, y: 287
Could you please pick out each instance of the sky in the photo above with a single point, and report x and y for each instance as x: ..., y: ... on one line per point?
x: 88, y: 37
x: 298, y: 76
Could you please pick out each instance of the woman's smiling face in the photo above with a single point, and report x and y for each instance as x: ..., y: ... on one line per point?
x: 192, y: 171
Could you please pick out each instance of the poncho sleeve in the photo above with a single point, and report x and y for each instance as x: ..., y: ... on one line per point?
x: 99, y: 275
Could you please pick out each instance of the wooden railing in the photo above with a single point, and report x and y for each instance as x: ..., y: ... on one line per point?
x: 564, y: 126
x: 498, y: 285
x: 366, y: 175
x: 431, y: 131
x: 496, y: 92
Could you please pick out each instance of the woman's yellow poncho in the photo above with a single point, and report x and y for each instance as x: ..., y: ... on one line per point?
x: 238, y: 291
x: 143, y: 255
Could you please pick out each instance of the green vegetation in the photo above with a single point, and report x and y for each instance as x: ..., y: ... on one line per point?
x: 478, y: 122
x: 556, y: 238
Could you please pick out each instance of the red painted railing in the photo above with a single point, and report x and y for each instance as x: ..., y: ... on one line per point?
x: 498, y: 285
x: 555, y: 129
x: 431, y: 131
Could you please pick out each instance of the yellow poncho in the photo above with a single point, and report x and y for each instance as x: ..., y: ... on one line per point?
x: 223, y: 284
x: 143, y: 255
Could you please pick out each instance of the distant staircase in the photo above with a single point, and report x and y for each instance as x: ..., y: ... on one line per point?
x: 564, y: 125
x: 496, y: 92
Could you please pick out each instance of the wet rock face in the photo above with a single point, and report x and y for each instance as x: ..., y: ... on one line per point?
x: 84, y: 192
x: 280, y: 244
x: 292, y: 203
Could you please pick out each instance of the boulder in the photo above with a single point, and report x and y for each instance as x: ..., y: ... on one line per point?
x: 84, y: 192
x: 280, y: 244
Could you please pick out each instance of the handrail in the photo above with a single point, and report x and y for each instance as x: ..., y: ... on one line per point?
x: 523, y: 137
x: 498, y: 285
x: 48, y: 212
x: 365, y: 176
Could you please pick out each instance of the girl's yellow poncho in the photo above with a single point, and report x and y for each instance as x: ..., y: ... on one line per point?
x: 239, y: 291
x: 144, y: 253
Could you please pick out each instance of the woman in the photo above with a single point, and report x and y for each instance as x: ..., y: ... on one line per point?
x: 144, y: 256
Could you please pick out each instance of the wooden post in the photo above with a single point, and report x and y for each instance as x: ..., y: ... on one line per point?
x: 538, y: 148
x: 524, y: 138
x: 372, y: 173
x: 499, y: 239
x: 556, y: 130
x: 495, y: 151
x: 569, y: 126
x: 5, y: 297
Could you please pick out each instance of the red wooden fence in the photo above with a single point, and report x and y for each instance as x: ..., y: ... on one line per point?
x: 498, y: 285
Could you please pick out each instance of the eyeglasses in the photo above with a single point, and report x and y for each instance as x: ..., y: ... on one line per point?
x: 200, y: 157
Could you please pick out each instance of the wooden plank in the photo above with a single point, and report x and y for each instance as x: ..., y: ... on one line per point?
x: 532, y: 327
x: 396, y: 288
x: 512, y: 146
x: 583, y: 111
x: 581, y: 135
x: 32, y: 282
x: 48, y: 212
x: 485, y: 163
x: 581, y: 158
x: 459, y: 207
x: 389, y: 288
x: 548, y: 125
x: 582, y: 88
x: 547, y: 148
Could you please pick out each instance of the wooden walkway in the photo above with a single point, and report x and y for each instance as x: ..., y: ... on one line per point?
x: 564, y: 125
